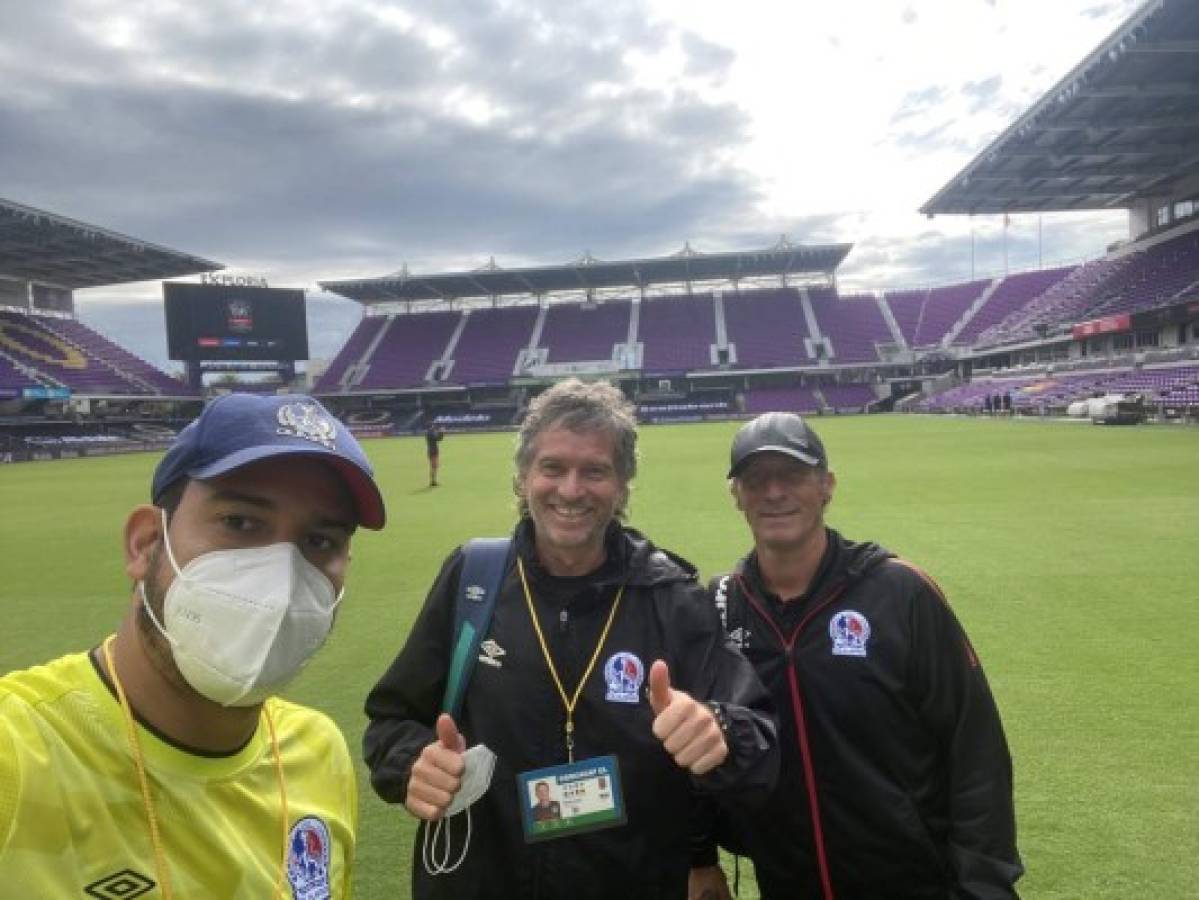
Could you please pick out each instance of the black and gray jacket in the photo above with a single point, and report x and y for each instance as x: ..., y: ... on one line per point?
x: 512, y: 706
x: 896, y: 780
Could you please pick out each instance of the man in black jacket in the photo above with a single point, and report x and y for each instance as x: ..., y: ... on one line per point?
x: 600, y: 645
x: 896, y: 780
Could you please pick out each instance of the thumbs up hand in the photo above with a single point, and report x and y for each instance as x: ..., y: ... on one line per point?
x: 437, y: 773
x: 687, y: 729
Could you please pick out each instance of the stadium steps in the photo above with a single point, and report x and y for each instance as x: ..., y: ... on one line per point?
x: 446, y: 362
x: 816, y: 337
x: 33, y: 374
x: 971, y: 312
x: 356, y: 372
x: 892, y: 322
x: 722, y: 330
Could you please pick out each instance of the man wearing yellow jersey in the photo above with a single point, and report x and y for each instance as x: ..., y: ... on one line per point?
x: 160, y: 763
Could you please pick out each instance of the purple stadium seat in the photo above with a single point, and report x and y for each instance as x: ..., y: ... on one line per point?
x: 768, y: 328
x: 574, y: 332
x: 677, y: 334
x: 410, y: 344
x: 854, y: 325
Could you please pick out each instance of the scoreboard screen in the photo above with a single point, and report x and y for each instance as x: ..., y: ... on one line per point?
x: 234, y: 323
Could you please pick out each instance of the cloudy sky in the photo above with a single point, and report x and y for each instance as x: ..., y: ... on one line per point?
x: 318, y: 139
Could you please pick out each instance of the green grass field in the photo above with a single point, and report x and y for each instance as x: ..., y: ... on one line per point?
x: 1068, y: 551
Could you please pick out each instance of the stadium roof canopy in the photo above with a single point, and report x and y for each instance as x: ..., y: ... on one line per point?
x: 589, y: 274
x: 48, y: 249
x: 1122, y: 126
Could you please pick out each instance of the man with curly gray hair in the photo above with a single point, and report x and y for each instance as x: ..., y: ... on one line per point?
x: 597, y: 408
x: 605, y: 675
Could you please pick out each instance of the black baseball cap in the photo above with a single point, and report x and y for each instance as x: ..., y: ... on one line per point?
x: 776, y: 432
x: 235, y: 430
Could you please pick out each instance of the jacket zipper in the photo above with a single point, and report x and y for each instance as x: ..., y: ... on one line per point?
x: 801, y: 727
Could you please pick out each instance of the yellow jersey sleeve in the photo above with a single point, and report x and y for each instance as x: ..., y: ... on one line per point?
x: 10, y: 776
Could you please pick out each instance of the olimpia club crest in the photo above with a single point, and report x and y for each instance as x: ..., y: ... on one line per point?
x: 850, y: 631
x: 307, y: 421
x: 623, y: 673
x: 308, y: 860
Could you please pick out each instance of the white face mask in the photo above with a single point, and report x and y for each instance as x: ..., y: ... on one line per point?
x: 476, y: 779
x: 243, y: 623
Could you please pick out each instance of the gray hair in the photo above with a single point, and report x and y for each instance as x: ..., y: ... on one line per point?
x: 582, y: 408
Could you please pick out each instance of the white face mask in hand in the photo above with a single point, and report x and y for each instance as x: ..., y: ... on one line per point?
x: 476, y: 779
x: 243, y: 623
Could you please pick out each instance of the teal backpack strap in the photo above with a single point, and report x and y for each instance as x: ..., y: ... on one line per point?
x: 485, y: 560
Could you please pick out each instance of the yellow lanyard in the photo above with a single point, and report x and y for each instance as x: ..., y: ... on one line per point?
x: 573, y: 701
x: 160, y: 865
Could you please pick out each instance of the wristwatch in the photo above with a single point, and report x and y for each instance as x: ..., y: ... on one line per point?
x: 722, y: 720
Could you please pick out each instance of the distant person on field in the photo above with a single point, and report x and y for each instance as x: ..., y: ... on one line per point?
x: 601, y: 645
x: 1007, y: 403
x: 896, y: 782
x: 161, y: 762
x: 433, y: 437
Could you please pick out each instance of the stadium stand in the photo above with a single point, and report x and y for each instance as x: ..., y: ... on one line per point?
x: 491, y: 342
x: 854, y: 325
x: 943, y: 307
x: 115, y: 356
x: 1065, y: 301
x: 906, y: 307
x: 677, y: 334
x: 1152, y: 277
x: 768, y: 328
x: 409, y: 346
x: 783, y: 399
x: 350, y: 353
x: 848, y: 397
x: 574, y: 332
x: 65, y: 352
x: 1010, y: 297
x: 12, y: 379
x: 1162, y: 386
x: 926, y: 316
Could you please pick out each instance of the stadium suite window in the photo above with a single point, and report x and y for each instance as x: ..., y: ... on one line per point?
x: 1122, y: 342
x: 1146, y: 338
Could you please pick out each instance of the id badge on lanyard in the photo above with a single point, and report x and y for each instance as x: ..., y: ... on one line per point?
x: 570, y: 799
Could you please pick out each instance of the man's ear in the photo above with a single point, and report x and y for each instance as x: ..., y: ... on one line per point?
x: 736, y: 495
x: 143, y: 532
x: 830, y: 486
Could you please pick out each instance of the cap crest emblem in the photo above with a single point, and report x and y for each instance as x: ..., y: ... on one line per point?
x: 307, y: 421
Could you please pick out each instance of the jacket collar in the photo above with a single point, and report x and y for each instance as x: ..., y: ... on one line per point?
x: 631, y: 559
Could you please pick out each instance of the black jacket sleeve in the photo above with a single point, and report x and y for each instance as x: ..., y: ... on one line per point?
x: 711, y: 669
x: 956, y: 703
x: 404, y: 705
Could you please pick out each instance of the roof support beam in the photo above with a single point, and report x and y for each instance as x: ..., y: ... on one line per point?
x: 1123, y: 92
x: 1137, y: 172
x: 1121, y: 123
x: 1163, y: 47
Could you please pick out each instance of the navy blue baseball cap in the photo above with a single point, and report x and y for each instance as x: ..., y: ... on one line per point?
x: 235, y: 430
x: 776, y: 432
